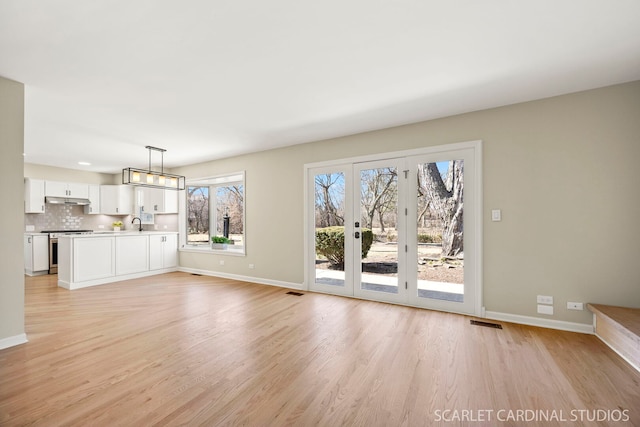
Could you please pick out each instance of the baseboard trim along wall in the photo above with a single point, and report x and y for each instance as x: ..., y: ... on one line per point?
x: 494, y: 315
x: 13, y: 341
x: 543, y: 323
x: 242, y: 278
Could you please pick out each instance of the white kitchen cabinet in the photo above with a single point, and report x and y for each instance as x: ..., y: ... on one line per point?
x: 163, y: 251
x: 171, y: 201
x: 116, y: 199
x: 156, y: 200
x: 94, y: 198
x: 92, y: 258
x: 33, y: 195
x: 96, y: 259
x: 36, y: 254
x: 132, y: 254
x: 66, y: 189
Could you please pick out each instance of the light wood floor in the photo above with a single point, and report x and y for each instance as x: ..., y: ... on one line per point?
x: 180, y: 349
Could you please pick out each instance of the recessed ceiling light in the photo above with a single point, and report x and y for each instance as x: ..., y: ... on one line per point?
x: 84, y: 163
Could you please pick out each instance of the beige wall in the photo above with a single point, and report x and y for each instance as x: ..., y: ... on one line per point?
x: 563, y: 170
x: 52, y: 173
x: 11, y: 209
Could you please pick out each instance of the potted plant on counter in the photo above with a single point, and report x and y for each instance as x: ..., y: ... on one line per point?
x: 117, y: 225
x: 219, y: 242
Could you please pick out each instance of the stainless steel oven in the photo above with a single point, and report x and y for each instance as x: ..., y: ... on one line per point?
x: 53, y: 246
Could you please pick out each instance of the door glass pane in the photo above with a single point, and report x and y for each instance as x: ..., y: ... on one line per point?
x: 440, y: 230
x: 379, y: 233
x: 329, y: 228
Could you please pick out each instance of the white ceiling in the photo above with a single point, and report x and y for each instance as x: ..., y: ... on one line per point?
x: 208, y: 79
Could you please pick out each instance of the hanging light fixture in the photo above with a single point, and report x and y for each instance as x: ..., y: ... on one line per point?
x: 151, y: 178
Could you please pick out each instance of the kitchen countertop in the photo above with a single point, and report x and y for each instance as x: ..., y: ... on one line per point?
x: 115, y: 234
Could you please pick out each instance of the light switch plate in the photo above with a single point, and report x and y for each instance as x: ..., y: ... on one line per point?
x: 544, y: 299
x: 496, y: 215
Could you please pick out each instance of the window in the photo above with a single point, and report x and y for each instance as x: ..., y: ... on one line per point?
x: 215, y: 209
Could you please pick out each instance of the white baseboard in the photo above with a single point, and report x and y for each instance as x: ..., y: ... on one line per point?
x: 13, y: 341
x: 494, y: 315
x: 259, y: 280
x: 543, y: 323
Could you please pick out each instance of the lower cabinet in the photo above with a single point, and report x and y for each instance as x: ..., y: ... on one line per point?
x: 163, y: 251
x: 36, y: 254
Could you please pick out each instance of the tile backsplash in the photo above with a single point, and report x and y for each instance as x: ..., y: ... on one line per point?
x: 69, y: 217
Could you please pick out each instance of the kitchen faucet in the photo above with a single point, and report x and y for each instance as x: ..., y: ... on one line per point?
x: 138, y: 218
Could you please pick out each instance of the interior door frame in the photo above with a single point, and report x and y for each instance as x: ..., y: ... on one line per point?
x: 347, y: 163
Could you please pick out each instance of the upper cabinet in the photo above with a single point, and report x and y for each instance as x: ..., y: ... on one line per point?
x: 156, y: 200
x: 33, y: 195
x: 116, y: 199
x: 66, y: 189
x: 94, y: 198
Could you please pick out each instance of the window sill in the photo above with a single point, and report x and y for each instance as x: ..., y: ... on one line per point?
x: 208, y: 250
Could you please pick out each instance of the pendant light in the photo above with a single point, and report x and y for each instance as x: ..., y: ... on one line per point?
x: 151, y: 178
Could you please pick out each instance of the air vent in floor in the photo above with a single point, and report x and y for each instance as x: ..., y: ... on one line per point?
x: 487, y: 324
x: 298, y: 294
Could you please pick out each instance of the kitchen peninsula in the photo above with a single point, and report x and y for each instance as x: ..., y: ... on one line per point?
x: 99, y: 258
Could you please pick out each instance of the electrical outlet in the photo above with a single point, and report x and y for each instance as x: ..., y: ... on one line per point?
x: 545, y: 299
x: 101, y: 226
x: 545, y: 309
x: 575, y: 306
x: 221, y: 262
x: 252, y: 266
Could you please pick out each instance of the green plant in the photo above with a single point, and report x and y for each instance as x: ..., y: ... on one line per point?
x: 219, y: 239
x: 330, y: 243
x: 117, y: 223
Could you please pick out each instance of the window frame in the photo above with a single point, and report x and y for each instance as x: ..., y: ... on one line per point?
x: 213, y: 182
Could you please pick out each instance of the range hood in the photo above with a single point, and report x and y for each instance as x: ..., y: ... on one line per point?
x: 66, y: 201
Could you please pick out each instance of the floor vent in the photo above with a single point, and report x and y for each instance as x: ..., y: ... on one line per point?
x: 196, y: 274
x: 487, y: 324
x: 298, y: 294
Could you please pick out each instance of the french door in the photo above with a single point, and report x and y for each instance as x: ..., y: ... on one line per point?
x: 404, y: 229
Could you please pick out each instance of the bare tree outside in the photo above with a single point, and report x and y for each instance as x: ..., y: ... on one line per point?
x: 442, y: 193
x: 198, y: 214
x: 230, y: 201
x: 379, y: 196
x: 329, y: 195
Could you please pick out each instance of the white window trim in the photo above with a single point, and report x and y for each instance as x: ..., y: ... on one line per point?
x: 216, y: 180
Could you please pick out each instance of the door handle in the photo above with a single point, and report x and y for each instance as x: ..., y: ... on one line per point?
x: 357, y: 234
